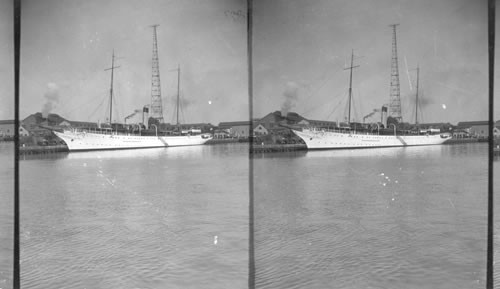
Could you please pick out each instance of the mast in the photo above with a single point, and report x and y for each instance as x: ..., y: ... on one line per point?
x: 178, y: 91
x: 350, y: 84
x: 112, y: 68
x: 178, y: 69
x: 416, y: 99
x: 395, y: 100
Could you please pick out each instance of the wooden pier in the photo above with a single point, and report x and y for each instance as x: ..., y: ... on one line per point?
x: 30, y: 150
x: 271, y: 148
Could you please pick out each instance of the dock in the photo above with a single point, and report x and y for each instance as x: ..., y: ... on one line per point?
x: 271, y: 148
x: 215, y: 141
x: 460, y: 141
x: 30, y: 150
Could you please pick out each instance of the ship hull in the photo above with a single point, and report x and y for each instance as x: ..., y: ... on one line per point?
x: 85, y: 141
x: 320, y: 139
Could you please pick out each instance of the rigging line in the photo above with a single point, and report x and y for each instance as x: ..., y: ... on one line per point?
x: 173, y: 117
x: 80, y: 106
x: 324, y: 79
x: 354, y: 110
x: 181, y: 107
x: 180, y: 111
x: 358, y: 111
x: 412, y: 115
x: 421, y: 120
x: 119, y: 108
x: 174, y: 111
x: 183, y: 117
x: 346, y: 109
x: 328, y: 117
x: 172, y: 102
x: 335, y: 107
x: 354, y: 116
x: 98, y: 106
x: 116, y: 111
x: 342, y: 92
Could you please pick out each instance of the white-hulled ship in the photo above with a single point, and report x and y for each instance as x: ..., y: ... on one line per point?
x: 78, y: 140
x: 331, y: 139
x: 107, y: 139
x: 344, y: 138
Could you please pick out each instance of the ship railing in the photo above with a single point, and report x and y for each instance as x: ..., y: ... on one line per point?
x: 395, y: 131
x: 345, y: 130
x: 105, y: 131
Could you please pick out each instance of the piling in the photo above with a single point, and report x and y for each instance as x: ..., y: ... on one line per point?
x: 30, y: 150
x: 271, y: 148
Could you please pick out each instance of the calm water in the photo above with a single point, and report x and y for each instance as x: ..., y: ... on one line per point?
x: 6, y: 213
x: 154, y: 218
x: 178, y: 218
x: 376, y: 218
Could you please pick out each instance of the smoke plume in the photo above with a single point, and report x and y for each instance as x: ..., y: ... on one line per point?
x: 370, y: 114
x: 51, y: 98
x: 291, y: 95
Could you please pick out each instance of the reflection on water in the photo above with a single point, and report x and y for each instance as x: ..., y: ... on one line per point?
x: 153, y: 218
x: 268, y: 155
x: 383, y: 218
x: 379, y: 218
x: 496, y: 228
x: 171, y: 152
x: 391, y: 152
x: 6, y: 213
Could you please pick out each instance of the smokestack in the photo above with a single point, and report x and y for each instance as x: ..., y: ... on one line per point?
x: 383, y: 115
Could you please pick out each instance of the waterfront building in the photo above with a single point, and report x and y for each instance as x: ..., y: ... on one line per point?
x: 221, y: 134
x: 260, y: 130
x: 7, y: 129
x: 443, y: 127
x: 274, y: 119
x: 478, y: 129
x: 459, y: 133
x: 199, y: 127
x: 52, y: 119
x: 271, y: 120
x: 238, y: 129
x: 482, y: 131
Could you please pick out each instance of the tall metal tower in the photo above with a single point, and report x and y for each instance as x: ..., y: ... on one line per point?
x: 395, y: 99
x: 156, y: 105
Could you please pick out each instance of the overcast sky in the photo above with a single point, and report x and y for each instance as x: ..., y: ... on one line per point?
x: 6, y: 59
x: 66, y: 45
x: 301, y: 48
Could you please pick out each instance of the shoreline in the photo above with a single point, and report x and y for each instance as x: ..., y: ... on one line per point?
x: 255, y: 148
